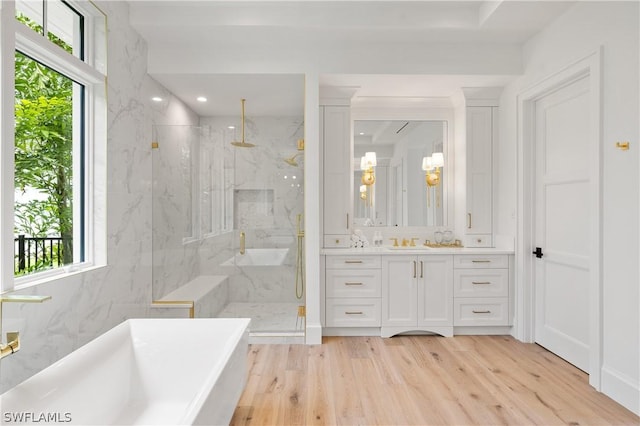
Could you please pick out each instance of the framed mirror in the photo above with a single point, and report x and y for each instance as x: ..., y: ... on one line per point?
x: 405, y: 185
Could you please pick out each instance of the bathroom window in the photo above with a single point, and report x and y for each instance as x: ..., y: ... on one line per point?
x: 49, y: 146
x: 59, y: 140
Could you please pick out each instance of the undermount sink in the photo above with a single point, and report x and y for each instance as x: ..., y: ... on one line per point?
x: 143, y: 371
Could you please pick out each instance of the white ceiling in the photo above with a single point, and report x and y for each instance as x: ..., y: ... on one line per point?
x: 206, y: 24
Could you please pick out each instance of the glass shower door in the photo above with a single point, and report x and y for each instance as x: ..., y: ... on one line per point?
x: 268, y: 201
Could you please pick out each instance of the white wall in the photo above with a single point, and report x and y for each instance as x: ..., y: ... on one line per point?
x: 580, y: 32
x: 85, y: 305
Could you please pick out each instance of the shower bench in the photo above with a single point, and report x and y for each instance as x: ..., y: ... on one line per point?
x: 203, y: 297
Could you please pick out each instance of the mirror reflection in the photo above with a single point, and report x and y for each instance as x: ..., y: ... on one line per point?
x: 399, y: 172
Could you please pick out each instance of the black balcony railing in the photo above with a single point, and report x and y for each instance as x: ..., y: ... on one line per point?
x: 36, y: 253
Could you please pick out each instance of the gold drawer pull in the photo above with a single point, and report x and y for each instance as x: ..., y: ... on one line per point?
x: 480, y: 282
x: 480, y: 261
x: 353, y: 312
x: 353, y: 261
x: 352, y: 283
x: 481, y: 312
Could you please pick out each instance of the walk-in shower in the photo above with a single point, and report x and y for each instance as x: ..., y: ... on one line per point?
x: 220, y: 210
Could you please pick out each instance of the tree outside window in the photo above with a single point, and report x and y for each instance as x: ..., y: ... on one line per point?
x: 43, y: 164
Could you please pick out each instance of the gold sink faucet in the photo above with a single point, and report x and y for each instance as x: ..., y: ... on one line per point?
x: 395, y: 241
x: 405, y: 242
x: 13, y: 337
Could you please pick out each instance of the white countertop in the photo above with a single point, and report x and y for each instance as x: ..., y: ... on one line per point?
x: 413, y: 250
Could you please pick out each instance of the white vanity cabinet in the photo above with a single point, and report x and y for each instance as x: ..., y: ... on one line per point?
x: 352, y: 290
x: 335, y: 136
x: 481, y: 130
x: 417, y: 294
x: 481, y: 290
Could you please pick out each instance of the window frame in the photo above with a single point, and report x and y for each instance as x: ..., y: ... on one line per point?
x: 15, y: 36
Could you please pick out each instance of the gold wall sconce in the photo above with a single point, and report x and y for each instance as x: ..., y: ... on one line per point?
x: 431, y: 166
x: 367, y: 163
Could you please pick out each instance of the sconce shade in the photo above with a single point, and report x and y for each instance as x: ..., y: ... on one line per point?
x: 437, y: 159
x: 371, y: 158
x: 426, y: 163
x: 363, y: 163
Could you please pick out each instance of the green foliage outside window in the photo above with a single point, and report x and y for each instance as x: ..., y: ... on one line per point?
x: 43, y: 153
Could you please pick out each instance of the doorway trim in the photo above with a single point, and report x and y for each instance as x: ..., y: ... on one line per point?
x: 589, y: 66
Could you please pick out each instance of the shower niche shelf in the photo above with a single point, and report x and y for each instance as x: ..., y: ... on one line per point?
x: 254, y: 208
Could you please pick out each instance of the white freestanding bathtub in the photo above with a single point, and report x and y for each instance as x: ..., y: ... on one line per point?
x: 143, y: 371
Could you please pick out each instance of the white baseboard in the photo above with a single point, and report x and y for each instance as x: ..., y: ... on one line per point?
x: 351, y: 331
x: 621, y: 388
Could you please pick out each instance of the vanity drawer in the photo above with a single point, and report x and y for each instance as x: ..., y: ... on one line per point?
x: 481, y: 261
x: 353, y: 283
x: 353, y: 312
x: 337, y: 241
x: 481, y: 282
x: 353, y: 262
x: 481, y: 311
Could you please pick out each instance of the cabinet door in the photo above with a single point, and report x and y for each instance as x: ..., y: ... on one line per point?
x: 337, y: 176
x: 435, y: 290
x: 479, y: 170
x: 399, y: 278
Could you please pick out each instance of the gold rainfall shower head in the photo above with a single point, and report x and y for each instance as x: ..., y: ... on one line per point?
x: 242, y: 143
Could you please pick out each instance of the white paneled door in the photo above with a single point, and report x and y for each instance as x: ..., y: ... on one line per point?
x: 563, y: 221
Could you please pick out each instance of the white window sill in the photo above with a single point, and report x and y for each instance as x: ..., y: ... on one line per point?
x: 51, y: 276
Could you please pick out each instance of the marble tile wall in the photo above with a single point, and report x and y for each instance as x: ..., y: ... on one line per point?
x: 174, y: 229
x: 86, y: 304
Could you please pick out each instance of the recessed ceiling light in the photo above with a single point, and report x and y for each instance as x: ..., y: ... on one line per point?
x: 231, y: 127
x: 156, y: 99
x: 201, y: 99
x: 361, y: 133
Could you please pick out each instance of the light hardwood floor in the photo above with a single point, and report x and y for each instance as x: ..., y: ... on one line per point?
x: 419, y: 380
